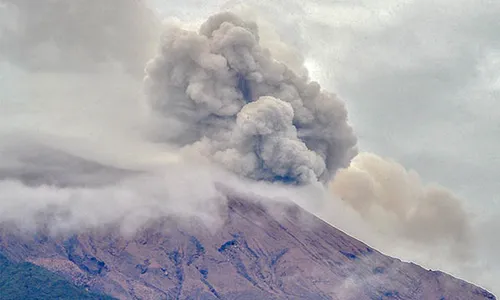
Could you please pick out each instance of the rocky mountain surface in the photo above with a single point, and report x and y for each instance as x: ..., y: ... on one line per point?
x: 257, y: 253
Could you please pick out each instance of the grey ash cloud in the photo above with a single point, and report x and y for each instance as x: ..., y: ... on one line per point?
x: 225, y: 96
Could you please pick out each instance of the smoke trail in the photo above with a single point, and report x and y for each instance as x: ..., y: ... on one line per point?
x: 395, y: 201
x: 227, y: 98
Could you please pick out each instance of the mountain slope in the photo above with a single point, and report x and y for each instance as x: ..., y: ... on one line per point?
x: 278, y: 252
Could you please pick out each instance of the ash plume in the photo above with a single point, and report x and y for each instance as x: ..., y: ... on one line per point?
x: 395, y: 201
x: 224, y: 96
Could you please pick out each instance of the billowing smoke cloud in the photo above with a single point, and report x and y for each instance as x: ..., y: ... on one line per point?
x: 226, y: 97
x: 396, y: 202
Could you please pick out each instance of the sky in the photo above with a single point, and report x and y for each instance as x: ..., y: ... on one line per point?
x: 419, y: 78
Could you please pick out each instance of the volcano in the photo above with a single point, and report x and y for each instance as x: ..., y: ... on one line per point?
x: 276, y: 251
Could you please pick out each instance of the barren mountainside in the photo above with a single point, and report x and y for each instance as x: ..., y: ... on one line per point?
x: 256, y: 254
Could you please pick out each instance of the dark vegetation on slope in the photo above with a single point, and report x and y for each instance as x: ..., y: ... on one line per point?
x: 28, y: 281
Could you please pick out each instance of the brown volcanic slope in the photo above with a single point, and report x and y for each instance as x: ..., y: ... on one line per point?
x: 256, y: 254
